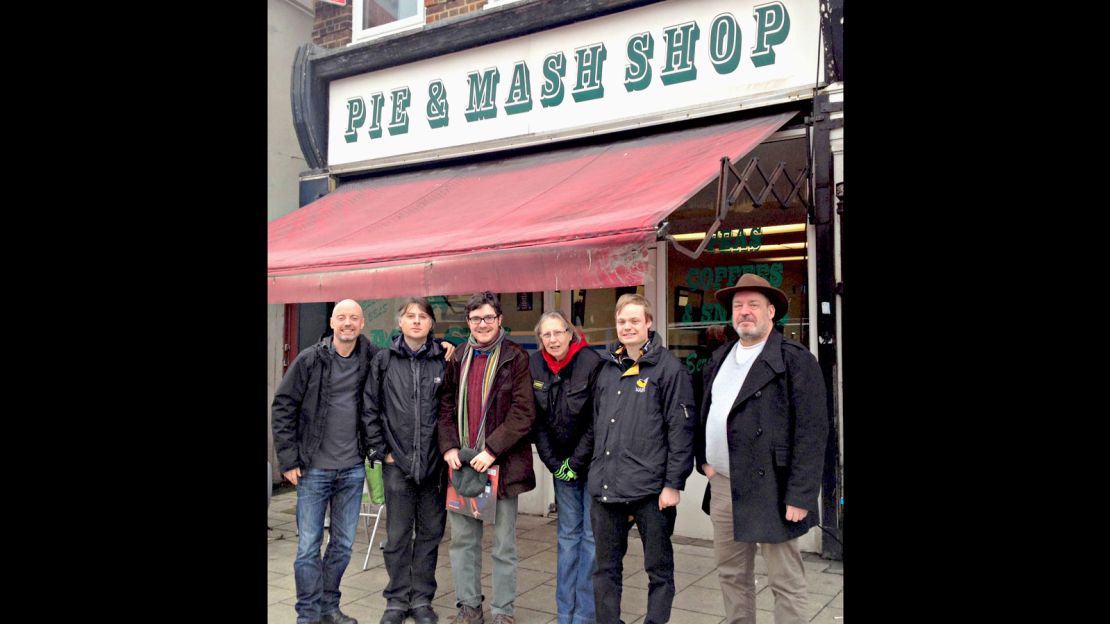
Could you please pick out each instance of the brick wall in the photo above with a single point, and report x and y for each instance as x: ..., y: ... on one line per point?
x: 436, y: 10
x: 332, y: 28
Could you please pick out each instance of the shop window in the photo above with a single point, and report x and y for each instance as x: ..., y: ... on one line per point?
x: 374, y: 18
x: 520, y: 311
x: 593, y: 310
x: 769, y: 241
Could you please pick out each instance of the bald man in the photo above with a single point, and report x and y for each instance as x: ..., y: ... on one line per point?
x: 321, y: 446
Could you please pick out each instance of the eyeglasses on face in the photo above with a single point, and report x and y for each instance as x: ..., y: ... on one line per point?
x: 477, y: 320
x: 556, y: 334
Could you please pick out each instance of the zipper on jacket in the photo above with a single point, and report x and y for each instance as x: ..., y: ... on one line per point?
x: 416, y: 420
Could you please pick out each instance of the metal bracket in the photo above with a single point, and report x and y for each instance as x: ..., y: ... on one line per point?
x: 727, y: 198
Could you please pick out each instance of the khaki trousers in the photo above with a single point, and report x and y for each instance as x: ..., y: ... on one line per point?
x: 736, y: 566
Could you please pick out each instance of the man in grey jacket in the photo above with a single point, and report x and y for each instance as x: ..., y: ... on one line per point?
x: 761, y: 441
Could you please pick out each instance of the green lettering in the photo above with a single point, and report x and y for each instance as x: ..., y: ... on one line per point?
x: 520, y: 91
x: 681, y: 40
x: 724, y: 43
x: 775, y: 277
x: 692, y: 279
x: 483, y: 94
x: 377, y: 103
x: 719, y: 276
x: 756, y: 240
x: 772, y: 27
x: 591, y: 61
x: 733, y: 274
x: 554, y: 69
x: 637, y: 74
x: 356, y: 116
x: 437, y: 104
x: 399, y: 122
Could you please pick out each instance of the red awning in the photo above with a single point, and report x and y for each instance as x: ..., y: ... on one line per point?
x: 580, y: 217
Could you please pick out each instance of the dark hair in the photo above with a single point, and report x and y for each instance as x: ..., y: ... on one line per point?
x: 419, y: 302
x: 485, y: 297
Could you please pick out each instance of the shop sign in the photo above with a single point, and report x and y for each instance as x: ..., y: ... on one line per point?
x: 645, y: 66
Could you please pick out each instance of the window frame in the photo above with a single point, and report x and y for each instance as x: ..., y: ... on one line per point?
x: 362, y: 35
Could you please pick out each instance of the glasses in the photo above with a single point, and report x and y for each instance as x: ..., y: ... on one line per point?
x: 477, y: 320
x: 557, y: 334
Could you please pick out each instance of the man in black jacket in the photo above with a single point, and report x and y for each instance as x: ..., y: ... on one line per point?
x: 761, y: 441
x: 402, y: 408
x: 643, y: 448
x: 320, y: 445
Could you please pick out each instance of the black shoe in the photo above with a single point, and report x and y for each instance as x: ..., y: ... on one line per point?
x: 393, y: 616
x: 424, y: 614
x: 337, y: 618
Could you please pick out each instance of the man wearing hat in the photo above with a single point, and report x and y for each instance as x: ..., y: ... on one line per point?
x: 761, y: 443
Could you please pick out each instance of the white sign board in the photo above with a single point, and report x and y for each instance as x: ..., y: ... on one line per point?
x: 654, y: 64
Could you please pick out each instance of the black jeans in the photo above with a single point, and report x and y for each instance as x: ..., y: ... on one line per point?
x: 411, y: 561
x: 611, y: 526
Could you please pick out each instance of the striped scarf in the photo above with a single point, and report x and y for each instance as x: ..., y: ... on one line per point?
x: 494, y: 350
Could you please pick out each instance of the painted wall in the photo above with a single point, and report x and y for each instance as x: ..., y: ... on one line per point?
x: 289, y: 25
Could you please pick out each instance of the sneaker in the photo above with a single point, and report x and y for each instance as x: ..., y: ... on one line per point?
x: 470, y: 615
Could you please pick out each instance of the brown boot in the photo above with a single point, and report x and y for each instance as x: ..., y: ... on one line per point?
x: 502, y: 618
x: 469, y: 615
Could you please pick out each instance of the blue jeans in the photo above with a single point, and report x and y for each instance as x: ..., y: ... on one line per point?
x: 574, y: 587
x: 318, y: 579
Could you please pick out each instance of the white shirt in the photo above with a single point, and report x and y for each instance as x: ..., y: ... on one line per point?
x: 726, y: 387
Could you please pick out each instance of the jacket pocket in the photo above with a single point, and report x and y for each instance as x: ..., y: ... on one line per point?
x: 782, y: 456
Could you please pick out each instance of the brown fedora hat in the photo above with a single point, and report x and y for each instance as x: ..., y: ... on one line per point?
x: 751, y: 281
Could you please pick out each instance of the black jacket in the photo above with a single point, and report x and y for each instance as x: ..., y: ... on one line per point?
x: 564, y: 409
x: 643, y: 427
x: 777, y: 429
x: 300, y: 408
x: 401, y: 407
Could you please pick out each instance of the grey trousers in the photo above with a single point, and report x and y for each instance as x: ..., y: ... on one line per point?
x: 466, y: 558
x: 736, y: 566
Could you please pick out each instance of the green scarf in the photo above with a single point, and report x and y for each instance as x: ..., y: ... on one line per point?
x: 494, y: 349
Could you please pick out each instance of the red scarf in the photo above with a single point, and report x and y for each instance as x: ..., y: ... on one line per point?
x: 558, y: 365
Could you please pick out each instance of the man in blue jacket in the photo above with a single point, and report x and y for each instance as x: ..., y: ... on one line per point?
x: 643, y: 448
x: 761, y: 442
x: 320, y: 445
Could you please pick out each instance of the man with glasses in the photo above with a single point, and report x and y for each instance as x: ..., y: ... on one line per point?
x: 486, y: 413
x: 643, y: 448
x: 320, y: 445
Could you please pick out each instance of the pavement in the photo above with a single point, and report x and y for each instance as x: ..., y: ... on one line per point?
x: 697, y: 600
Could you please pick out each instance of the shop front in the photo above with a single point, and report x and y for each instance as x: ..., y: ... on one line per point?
x: 665, y: 149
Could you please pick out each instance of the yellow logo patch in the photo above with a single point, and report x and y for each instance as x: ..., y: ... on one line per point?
x: 538, y: 385
x: 641, y: 384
